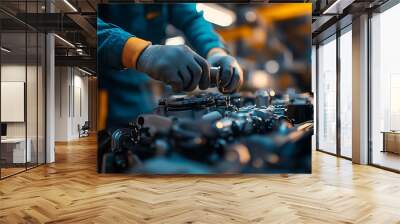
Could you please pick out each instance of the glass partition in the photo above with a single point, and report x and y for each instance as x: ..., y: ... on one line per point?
x: 31, y: 99
x: 34, y: 51
x: 22, y: 91
x: 14, y: 143
x: 41, y: 110
x: 326, y: 101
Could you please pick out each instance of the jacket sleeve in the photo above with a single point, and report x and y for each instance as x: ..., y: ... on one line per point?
x: 197, y: 30
x: 117, y: 48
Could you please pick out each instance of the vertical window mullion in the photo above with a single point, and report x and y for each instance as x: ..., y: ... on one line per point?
x: 317, y: 96
x: 26, y: 86
x: 338, y: 78
x: 37, y: 89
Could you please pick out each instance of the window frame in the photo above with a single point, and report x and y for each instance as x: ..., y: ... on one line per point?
x: 335, y: 36
x: 381, y: 9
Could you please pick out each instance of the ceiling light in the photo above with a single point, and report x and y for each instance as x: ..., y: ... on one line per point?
x: 337, y: 7
x: 5, y: 50
x: 216, y: 14
x: 84, y: 71
x: 65, y: 41
x: 178, y: 40
x: 70, y: 5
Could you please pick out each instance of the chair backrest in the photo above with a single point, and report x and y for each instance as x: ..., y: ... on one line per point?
x: 86, y: 125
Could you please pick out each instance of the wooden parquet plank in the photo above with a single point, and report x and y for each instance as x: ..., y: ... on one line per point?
x: 70, y: 191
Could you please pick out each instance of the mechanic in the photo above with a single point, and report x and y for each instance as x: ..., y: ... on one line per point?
x: 130, y: 51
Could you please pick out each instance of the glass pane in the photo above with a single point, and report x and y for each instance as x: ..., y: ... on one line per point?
x: 32, y: 97
x: 13, y: 86
x: 32, y: 86
x: 327, y: 97
x: 385, y: 84
x: 345, y: 94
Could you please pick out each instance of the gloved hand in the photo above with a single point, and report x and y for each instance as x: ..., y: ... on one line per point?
x: 231, y: 76
x: 176, y: 65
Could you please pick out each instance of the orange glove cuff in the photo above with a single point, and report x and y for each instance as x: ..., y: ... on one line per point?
x: 133, y: 48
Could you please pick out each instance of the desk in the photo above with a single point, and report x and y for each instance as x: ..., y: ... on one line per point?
x: 391, y: 141
x: 13, y: 150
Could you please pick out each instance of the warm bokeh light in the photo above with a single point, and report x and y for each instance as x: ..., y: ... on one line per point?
x: 272, y: 93
x: 178, y: 40
x: 259, y: 79
x: 272, y: 66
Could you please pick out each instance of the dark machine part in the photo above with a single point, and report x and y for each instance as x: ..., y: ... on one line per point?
x: 214, y: 76
x: 212, y: 116
x: 117, y: 150
x: 300, y: 112
x: 204, y: 129
x: 287, y: 151
x: 204, y: 140
x: 299, y: 108
x: 155, y: 123
x: 262, y: 98
x: 214, y: 79
x: 195, y: 106
x: 186, y: 106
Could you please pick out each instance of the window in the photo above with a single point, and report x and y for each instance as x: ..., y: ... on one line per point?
x: 385, y: 89
x: 346, y: 93
x: 327, y: 96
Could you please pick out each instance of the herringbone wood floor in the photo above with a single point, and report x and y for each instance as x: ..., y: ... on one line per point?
x: 70, y: 191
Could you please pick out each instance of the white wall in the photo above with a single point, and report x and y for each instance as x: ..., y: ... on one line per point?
x: 80, y: 110
x: 71, y: 94
x: 61, y: 103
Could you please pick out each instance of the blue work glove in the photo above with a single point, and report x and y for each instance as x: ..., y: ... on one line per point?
x: 231, y: 74
x: 176, y: 65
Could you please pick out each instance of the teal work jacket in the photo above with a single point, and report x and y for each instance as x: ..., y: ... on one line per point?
x: 127, y: 89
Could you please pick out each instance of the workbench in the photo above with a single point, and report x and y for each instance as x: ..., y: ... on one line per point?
x: 13, y: 150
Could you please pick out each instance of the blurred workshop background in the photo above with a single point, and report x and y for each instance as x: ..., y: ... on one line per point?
x: 272, y: 42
